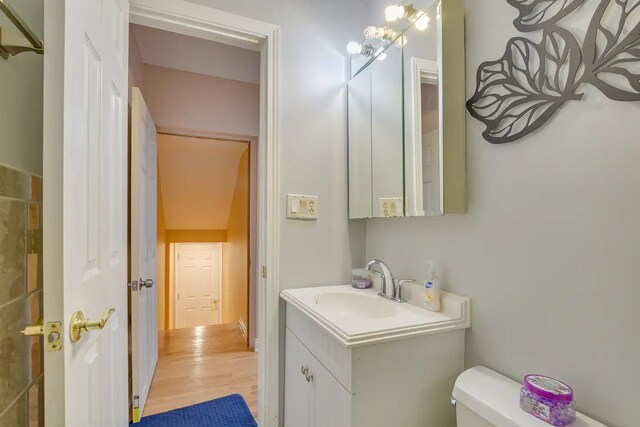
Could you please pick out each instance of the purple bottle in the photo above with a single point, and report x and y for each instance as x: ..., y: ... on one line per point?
x: 548, y: 399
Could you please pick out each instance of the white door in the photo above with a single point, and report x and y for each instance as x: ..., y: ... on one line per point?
x: 198, y: 281
x: 144, y: 213
x: 85, y: 200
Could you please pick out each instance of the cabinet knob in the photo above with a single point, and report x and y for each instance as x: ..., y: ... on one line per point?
x: 304, y: 370
x: 309, y: 377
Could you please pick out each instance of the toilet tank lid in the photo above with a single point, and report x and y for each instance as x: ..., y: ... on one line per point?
x: 496, y: 399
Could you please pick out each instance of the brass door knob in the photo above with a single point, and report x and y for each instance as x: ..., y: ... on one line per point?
x: 79, y: 324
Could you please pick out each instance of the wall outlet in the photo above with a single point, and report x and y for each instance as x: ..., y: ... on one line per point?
x: 302, y: 207
x: 390, y: 207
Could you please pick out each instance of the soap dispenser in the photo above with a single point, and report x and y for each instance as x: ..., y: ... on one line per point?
x: 431, y: 289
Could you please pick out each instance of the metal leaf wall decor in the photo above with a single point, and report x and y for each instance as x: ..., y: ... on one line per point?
x: 519, y: 92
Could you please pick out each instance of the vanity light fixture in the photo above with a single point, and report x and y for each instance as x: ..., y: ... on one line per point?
x: 383, y: 33
x: 422, y: 23
x: 418, y: 17
x: 355, y: 48
x: 394, y: 12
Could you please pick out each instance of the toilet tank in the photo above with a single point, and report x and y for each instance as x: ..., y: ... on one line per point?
x: 485, y: 398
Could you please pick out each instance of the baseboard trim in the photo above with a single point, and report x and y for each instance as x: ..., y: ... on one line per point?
x: 243, y: 327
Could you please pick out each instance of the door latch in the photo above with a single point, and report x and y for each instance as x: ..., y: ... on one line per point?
x: 139, y: 284
x: 52, y: 331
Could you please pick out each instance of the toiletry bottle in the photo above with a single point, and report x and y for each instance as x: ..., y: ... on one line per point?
x: 432, y: 290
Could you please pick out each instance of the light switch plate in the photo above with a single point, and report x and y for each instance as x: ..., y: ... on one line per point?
x: 302, y: 207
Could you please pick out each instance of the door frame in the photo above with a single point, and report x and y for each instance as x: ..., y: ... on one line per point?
x: 203, y: 22
x: 421, y: 70
x: 176, y: 288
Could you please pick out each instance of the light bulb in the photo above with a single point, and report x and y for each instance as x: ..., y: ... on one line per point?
x: 401, y: 41
x: 393, y: 13
x: 422, y: 23
x: 354, y: 48
x: 382, y: 33
x: 372, y: 32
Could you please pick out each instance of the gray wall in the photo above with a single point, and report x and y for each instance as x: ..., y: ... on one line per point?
x: 549, y: 248
x: 313, y: 131
x: 21, y: 97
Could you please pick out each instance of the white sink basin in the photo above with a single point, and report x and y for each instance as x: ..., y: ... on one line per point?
x: 359, y: 316
x: 357, y: 305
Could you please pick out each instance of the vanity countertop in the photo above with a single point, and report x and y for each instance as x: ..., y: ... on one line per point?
x: 359, y: 317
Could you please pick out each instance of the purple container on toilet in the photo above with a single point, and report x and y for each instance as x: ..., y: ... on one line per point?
x: 548, y: 399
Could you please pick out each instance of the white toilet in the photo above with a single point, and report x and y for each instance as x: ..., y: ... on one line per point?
x: 485, y: 398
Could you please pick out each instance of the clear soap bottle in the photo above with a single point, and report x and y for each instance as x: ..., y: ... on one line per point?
x: 432, y: 289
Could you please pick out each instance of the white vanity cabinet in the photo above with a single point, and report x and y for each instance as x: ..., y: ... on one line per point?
x: 314, y: 397
x: 365, y: 376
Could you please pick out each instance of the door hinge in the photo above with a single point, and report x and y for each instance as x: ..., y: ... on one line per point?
x: 52, y: 332
x: 134, y: 285
x: 264, y: 271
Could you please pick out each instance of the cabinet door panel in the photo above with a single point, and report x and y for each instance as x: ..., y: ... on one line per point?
x: 297, y: 390
x: 330, y: 401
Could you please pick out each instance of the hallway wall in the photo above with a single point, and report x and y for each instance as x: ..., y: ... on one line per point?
x: 235, y: 288
x: 161, y: 253
x: 199, y: 104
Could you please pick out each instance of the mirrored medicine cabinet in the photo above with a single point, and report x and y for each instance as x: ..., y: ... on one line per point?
x: 407, y: 115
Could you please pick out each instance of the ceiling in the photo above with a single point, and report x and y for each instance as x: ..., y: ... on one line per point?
x: 195, y: 55
x: 197, y: 180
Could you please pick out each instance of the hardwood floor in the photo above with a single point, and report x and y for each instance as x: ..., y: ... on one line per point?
x: 200, y: 364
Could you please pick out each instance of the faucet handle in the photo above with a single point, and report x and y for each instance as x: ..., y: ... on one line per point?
x: 398, y: 285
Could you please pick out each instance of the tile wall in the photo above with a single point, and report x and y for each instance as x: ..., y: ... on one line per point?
x: 21, y: 377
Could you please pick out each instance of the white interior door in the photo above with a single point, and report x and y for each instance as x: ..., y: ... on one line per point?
x: 144, y: 216
x: 198, y: 283
x: 85, y: 200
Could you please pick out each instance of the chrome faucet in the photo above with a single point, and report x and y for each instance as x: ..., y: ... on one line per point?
x: 387, y: 277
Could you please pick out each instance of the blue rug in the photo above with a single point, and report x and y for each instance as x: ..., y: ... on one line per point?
x: 229, y: 411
